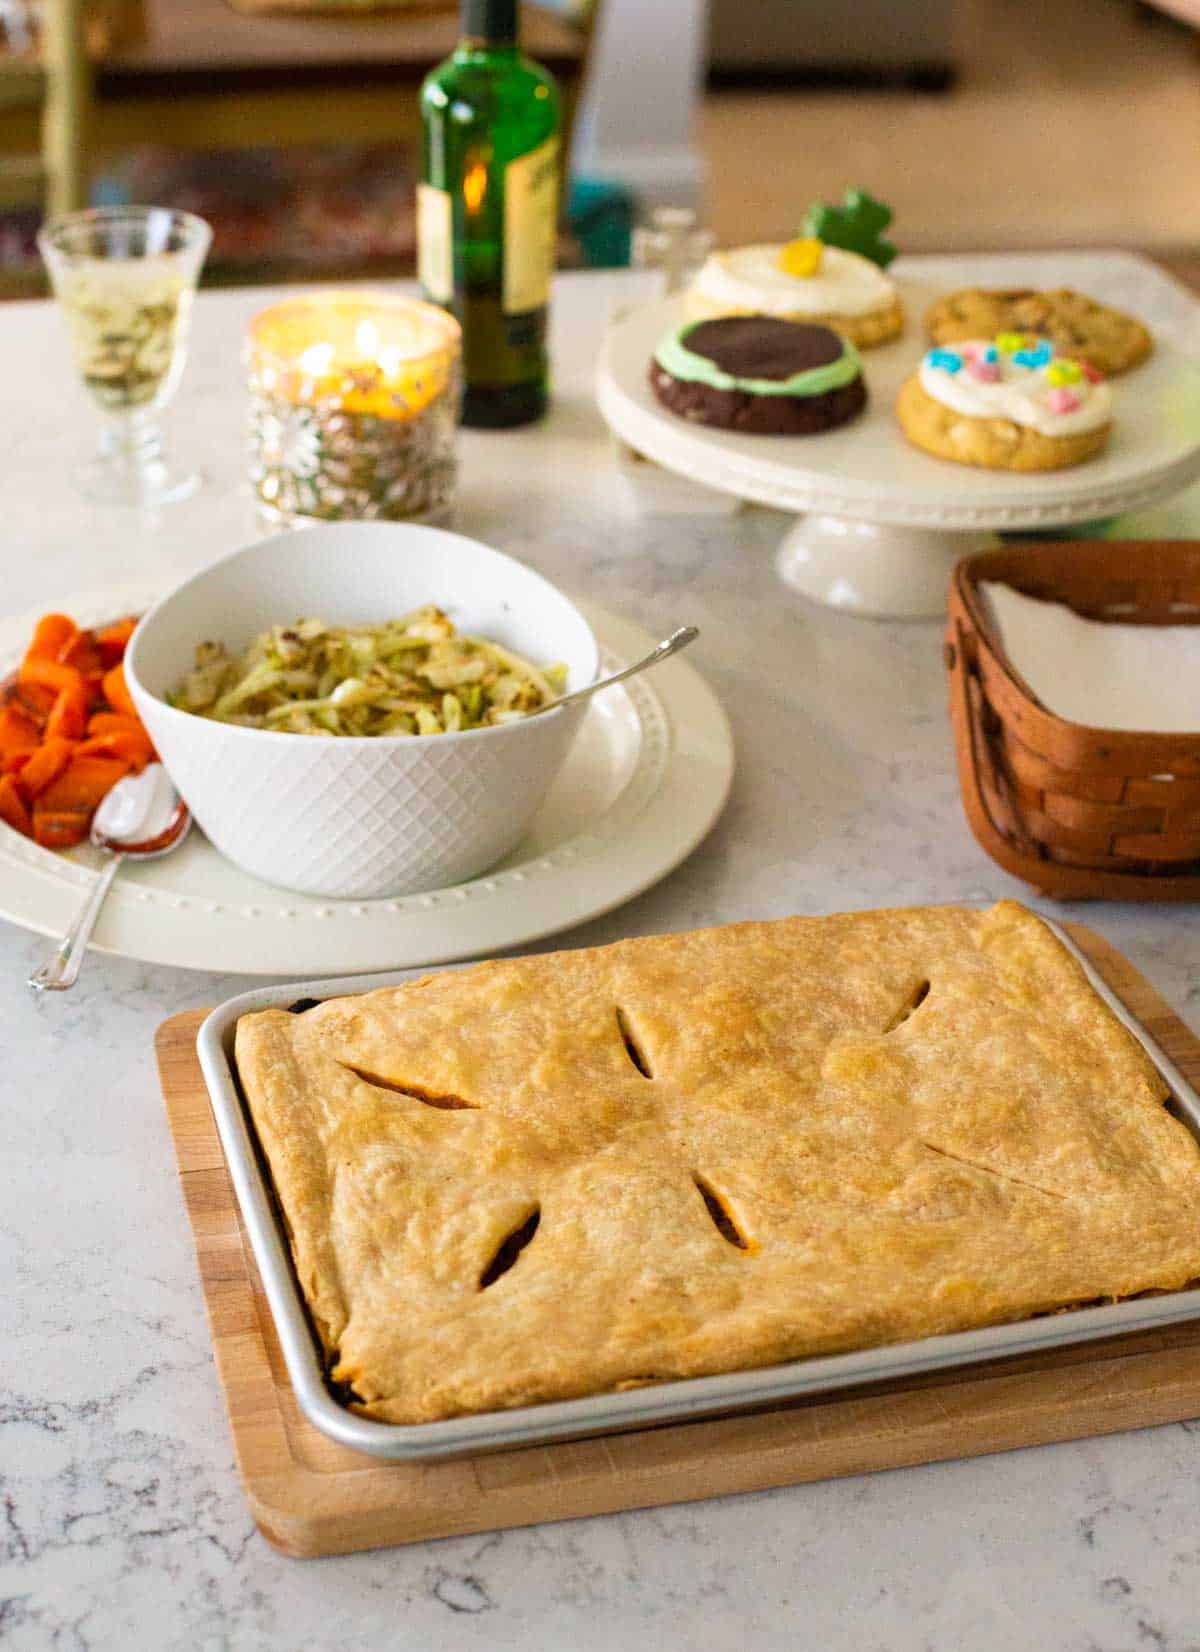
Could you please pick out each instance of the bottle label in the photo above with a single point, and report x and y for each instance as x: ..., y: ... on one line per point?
x: 435, y: 242
x: 530, y: 228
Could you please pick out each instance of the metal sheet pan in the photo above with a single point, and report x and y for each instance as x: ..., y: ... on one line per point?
x: 642, y: 1407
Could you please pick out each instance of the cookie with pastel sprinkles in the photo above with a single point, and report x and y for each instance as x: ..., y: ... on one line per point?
x: 1076, y: 325
x: 760, y: 375
x: 1011, y: 402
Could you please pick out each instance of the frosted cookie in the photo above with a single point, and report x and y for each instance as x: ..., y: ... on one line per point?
x: 1075, y: 324
x: 804, y: 280
x: 1007, y: 404
x: 759, y: 374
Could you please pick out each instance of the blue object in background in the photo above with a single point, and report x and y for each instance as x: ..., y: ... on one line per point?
x: 108, y: 190
x: 600, y: 216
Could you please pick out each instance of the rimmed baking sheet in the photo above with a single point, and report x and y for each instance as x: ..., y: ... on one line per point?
x: 668, y: 1402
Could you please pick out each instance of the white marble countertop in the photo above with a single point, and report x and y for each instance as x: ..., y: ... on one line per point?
x: 123, y: 1521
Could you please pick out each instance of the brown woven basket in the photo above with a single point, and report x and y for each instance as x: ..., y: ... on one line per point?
x: 1079, y: 813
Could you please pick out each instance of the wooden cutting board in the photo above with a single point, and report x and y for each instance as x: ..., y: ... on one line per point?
x: 311, y: 1496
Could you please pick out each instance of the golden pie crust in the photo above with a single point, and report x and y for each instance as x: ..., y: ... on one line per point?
x: 693, y: 1153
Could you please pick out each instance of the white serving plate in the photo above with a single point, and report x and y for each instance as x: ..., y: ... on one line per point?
x: 884, y: 522
x: 647, y: 777
x: 676, y: 1401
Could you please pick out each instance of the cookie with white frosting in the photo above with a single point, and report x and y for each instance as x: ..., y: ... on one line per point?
x: 803, y: 280
x: 759, y: 374
x: 1006, y: 403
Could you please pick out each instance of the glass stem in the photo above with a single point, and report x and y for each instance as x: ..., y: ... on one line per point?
x: 133, y: 446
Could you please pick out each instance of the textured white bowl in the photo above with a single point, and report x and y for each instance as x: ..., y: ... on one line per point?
x: 351, y: 817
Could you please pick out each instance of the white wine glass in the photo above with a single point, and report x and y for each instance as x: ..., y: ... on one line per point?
x: 125, y: 278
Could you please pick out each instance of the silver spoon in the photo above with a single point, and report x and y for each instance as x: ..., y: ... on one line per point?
x: 141, y: 818
x: 662, y: 651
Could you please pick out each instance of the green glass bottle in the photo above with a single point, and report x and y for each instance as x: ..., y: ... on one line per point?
x: 487, y: 211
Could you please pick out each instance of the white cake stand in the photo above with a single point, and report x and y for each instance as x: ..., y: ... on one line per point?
x: 883, y: 523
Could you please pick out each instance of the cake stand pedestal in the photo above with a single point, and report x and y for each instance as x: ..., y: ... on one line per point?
x: 877, y: 569
x: 882, y: 523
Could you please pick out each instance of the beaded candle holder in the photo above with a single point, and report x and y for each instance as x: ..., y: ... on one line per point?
x: 354, y: 401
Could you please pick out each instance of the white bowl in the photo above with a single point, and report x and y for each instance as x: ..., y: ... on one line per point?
x: 360, y: 817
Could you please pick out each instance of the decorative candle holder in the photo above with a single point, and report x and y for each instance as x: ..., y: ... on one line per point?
x: 354, y: 403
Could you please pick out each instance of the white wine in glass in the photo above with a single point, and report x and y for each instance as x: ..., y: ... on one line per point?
x: 125, y: 278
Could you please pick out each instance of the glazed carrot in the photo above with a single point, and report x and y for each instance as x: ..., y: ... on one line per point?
x: 18, y: 731
x: 44, y: 767
x: 83, y: 653
x: 56, y: 761
x: 131, y: 746
x: 51, y: 635
x: 81, y: 785
x: 58, y: 831
x: 114, y: 722
x: 116, y: 691
x: 12, y: 807
x: 68, y: 719
x: 37, y: 701
x: 113, y: 638
x: 34, y: 701
x: 51, y: 674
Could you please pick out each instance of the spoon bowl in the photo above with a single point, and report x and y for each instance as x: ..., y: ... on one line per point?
x: 141, y: 818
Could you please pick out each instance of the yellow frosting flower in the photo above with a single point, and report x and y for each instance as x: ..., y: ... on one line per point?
x: 801, y: 258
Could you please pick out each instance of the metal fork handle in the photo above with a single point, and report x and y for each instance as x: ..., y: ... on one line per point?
x: 62, y: 969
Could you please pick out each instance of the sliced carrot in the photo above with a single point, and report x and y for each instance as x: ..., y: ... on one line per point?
x: 59, y: 829
x: 114, y: 722
x: 18, y: 731
x: 44, y: 767
x: 56, y: 761
x: 84, y: 654
x: 34, y: 699
x: 131, y: 747
x: 12, y: 807
x: 116, y: 691
x: 51, y: 674
x: 113, y: 638
x: 81, y: 784
x: 68, y: 719
x: 51, y: 635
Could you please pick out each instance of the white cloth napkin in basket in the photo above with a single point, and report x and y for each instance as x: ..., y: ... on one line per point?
x: 1143, y: 678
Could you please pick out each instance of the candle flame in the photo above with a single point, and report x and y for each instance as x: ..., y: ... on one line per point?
x: 367, y: 353
x: 317, y: 360
x: 475, y: 185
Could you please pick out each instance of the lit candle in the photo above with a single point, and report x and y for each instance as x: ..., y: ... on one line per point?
x: 354, y: 398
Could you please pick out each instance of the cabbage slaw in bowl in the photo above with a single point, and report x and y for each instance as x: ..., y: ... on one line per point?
x: 416, y: 675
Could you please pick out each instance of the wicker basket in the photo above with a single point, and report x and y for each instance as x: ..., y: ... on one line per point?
x: 1079, y: 813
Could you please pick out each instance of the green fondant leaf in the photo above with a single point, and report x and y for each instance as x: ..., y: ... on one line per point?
x: 855, y: 226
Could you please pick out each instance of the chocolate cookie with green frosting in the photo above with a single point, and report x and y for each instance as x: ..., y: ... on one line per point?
x: 759, y: 374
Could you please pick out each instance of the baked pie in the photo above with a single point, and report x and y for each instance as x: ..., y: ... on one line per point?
x: 692, y: 1153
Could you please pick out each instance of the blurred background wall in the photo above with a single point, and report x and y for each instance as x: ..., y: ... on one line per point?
x: 291, y: 124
